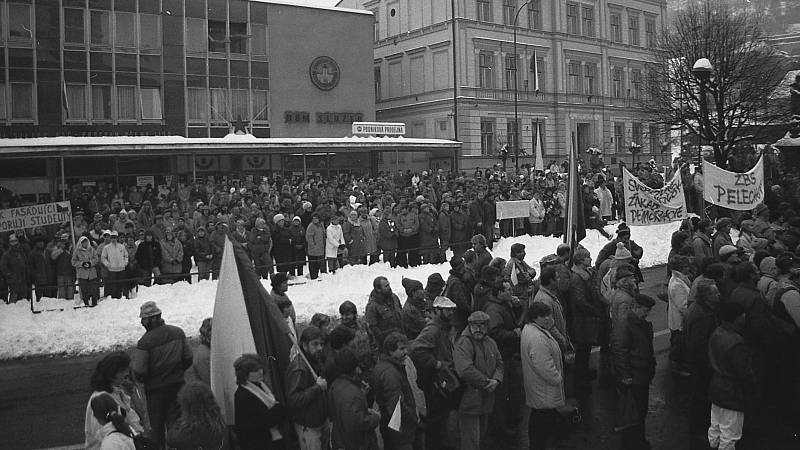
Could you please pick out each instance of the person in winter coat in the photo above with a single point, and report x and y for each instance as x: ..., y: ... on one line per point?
x: 187, y: 242
x: 353, y: 423
x: 548, y: 294
x: 518, y: 273
x: 14, y: 267
x: 543, y: 375
x: 610, y: 249
x: 306, y: 390
x: 586, y: 311
x: 85, y: 260
x: 634, y: 364
x: 480, y: 367
x: 625, y: 289
x: 702, y: 241
x: 387, y: 238
x: 482, y: 217
x: 356, y: 240
x: 114, y: 432
x: 606, y: 199
x: 200, y: 371
x: 257, y: 413
x: 678, y: 294
x: 114, y: 257
x: 733, y: 384
x: 460, y: 229
x: 722, y: 236
x: 408, y: 229
x: 414, y: 313
x: 334, y: 243
x: 217, y: 247
x: 369, y: 224
x: 42, y: 270
x: 61, y: 255
x: 203, y: 254
x: 148, y: 259
x: 282, y: 249
x: 445, y: 231
x: 315, y: 246
x: 457, y: 291
x: 259, y: 244
x: 298, y: 236
x: 171, y: 257
x: 428, y: 235
x: 200, y: 424
x: 391, y: 387
x: 536, y: 215
x: 383, y: 313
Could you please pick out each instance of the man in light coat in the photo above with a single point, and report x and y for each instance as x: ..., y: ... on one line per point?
x: 678, y: 292
x: 543, y: 375
x: 114, y: 257
x: 315, y: 246
x: 606, y: 199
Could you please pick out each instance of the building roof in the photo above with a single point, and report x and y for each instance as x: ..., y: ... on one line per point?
x: 782, y: 89
x: 329, y: 5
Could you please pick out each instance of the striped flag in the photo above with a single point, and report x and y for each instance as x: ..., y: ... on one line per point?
x: 539, y: 157
x: 575, y: 224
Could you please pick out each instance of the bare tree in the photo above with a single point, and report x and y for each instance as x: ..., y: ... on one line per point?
x: 745, y: 72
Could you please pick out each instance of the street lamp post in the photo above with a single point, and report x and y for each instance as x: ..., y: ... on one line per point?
x: 702, y: 71
x: 516, y: 100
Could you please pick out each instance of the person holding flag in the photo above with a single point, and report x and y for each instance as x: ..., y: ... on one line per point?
x: 394, y: 396
x: 519, y: 273
x: 306, y: 391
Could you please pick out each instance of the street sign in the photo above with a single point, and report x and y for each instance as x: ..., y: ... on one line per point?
x: 378, y: 129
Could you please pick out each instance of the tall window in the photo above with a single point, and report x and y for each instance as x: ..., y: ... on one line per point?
x: 590, y: 78
x: 101, y: 102
x: 74, y: 26
x: 536, y: 76
x: 125, y: 33
x: 619, y: 136
x: 150, y: 102
x: 650, y: 32
x: 240, y: 104
x: 587, y: 18
x: 487, y: 137
x: 655, y: 138
x: 260, y: 105
x: 19, y: 22
x: 217, y: 36
x: 149, y: 32
x: 3, y: 102
x: 377, y: 76
x: 197, y: 105
x: 100, y: 28
x: 21, y: 101
x: 484, y: 8
x: 509, y: 11
x: 377, y: 26
x: 636, y: 84
x: 535, y: 15
x: 616, y: 82
x: 126, y: 103
x: 633, y: 30
x: 76, y: 102
x: 486, y: 70
x: 238, y: 38
x: 219, y: 105
x: 616, y: 26
x: 574, y: 77
x: 512, y: 136
x: 636, y: 133
x: 258, y: 42
x: 511, y: 70
x: 195, y: 28
x: 572, y: 19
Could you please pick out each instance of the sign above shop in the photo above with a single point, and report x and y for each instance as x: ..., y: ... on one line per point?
x: 378, y: 129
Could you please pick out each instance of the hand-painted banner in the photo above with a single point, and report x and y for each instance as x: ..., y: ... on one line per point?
x: 513, y: 209
x: 739, y: 191
x: 646, y: 206
x: 34, y: 216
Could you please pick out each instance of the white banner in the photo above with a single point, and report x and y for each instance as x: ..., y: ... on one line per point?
x: 34, y: 216
x: 513, y: 209
x: 646, y: 206
x: 739, y: 191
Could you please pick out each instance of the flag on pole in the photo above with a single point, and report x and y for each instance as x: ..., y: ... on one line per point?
x: 64, y: 99
x: 246, y: 320
x: 575, y: 223
x: 535, y: 72
x: 396, y: 419
x: 539, y: 161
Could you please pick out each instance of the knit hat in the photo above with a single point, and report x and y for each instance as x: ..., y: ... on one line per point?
x: 149, y: 309
x: 622, y: 252
x: 581, y: 253
x: 768, y: 266
x: 306, y: 205
x: 278, y: 218
x: 297, y: 218
x: 260, y: 221
x: 456, y: 262
x: 625, y: 271
x: 411, y: 285
x: 549, y: 259
x: 435, y: 283
x: 623, y: 229
x: 478, y: 317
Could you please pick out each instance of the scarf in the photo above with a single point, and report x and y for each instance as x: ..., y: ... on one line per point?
x: 261, y: 392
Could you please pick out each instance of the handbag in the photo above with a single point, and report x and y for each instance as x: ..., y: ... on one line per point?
x: 625, y: 411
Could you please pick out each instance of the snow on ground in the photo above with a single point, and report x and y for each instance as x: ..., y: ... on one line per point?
x: 114, y: 324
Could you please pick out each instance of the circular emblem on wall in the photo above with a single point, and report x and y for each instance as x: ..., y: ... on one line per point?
x: 324, y: 73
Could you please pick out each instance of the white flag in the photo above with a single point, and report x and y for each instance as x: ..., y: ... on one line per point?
x: 395, y: 421
x: 514, y: 276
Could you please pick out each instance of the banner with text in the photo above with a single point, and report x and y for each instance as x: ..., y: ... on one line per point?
x: 646, y: 206
x: 34, y: 216
x: 513, y: 209
x: 739, y: 191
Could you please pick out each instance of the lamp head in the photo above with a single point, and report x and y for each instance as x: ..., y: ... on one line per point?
x: 702, y: 68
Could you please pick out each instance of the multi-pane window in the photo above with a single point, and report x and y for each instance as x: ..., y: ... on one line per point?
x: 511, y: 71
x: 535, y: 14
x: 21, y: 101
x: 219, y: 105
x: 587, y: 20
x: 536, y: 75
x: 101, y: 102
x: 3, y: 102
x: 240, y: 104
x: 197, y: 105
x: 19, y: 22
x: 619, y: 136
x: 650, y: 32
x: 195, y: 28
x: 590, y: 78
x: 149, y: 32
x: 572, y: 19
x: 125, y: 32
x: 377, y: 76
x: 260, y: 105
x: 616, y: 82
x: 150, y: 102
x: 574, y: 77
x: 615, y: 20
x: 636, y: 133
x: 487, y: 137
x: 126, y: 103
x: 633, y: 30
x: 484, y: 8
x: 655, y: 138
x: 217, y: 36
x: 100, y: 28
x: 486, y: 70
x: 636, y: 84
x: 74, y: 26
x: 238, y: 38
x: 512, y: 136
x: 76, y: 102
x: 509, y: 10
x: 258, y: 43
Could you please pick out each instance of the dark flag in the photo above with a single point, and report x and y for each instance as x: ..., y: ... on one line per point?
x: 575, y: 223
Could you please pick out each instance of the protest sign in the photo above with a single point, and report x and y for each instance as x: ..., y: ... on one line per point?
x: 143, y: 181
x: 34, y: 216
x: 512, y: 209
x: 646, y: 206
x: 739, y: 191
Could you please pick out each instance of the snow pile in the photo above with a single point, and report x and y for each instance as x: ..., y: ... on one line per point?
x: 114, y: 324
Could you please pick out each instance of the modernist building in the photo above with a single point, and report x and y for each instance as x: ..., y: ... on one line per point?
x: 580, y: 67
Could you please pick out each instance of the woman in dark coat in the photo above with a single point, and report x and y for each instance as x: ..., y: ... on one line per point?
x: 282, y: 249
x: 257, y: 414
x: 148, y: 258
x: 200, y: 425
